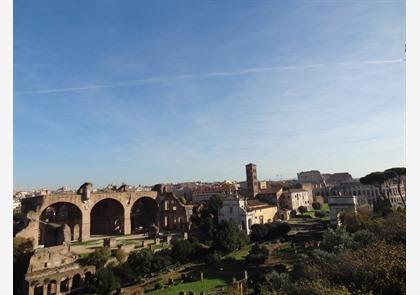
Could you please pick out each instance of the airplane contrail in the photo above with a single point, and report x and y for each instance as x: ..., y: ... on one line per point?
x: 202, y: 75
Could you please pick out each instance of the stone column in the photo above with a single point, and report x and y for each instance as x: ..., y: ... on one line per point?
x: 45, y: 289
x: 70, y: 284
x: 85, y: 225
x: 58, y: 291
x: 127, y: 220
x: 31, y: 290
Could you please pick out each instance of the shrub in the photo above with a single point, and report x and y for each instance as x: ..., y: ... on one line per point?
x: 120, y: 255
x: 140, y: 261
x: 316, y: 205
x: 302, y: 209
x: 182, y: 250
x: 213, y: 258
x: 158, y: 286
x: 104, y: 282
x: 258, y: 255
x: 320, y: 214
x: 258, y: 232
x: 99, y: 257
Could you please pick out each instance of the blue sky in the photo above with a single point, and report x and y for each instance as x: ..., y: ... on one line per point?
x: 168, y: 91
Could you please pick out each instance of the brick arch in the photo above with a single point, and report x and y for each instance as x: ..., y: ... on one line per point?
x: 143, y: 214
x: 52, y: 219
x: 107, y: 217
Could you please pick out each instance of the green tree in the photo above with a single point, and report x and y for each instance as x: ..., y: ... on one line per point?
x: 257, y: 255
x: 104, y: 282
x: 316, y: 205
x: 214, y: 205
x: 99, y: 257
x: 258, y: 232
x: 378, y: 180
x: 182, y: 250
x: 140, y: 262
x: 229, y: 238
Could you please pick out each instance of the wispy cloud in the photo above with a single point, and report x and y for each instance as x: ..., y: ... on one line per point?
x: 174, y: 78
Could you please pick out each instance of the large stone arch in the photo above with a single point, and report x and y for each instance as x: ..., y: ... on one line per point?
x: 144, y: 214
x: 107, y: 217
x: 59, y: 222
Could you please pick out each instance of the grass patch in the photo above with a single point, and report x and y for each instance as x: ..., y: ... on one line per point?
x: 206, y: 285
x: 213, y: 279
x: 241, y: 253
x: 87, y: 243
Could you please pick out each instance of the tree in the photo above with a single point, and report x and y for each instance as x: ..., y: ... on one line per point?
x: 161, y: 259
x: 316, y: 205
x: 140, y: 262
x: 99, y: 257
x: 182, y: 250
x: 214, y: 205
x: 213, y: 258
x: 377, y: 179
x: 277, y: 229
x: 258, y: 232
x: 104, y: 282
x: 257, y: 255
x: 229, y: 237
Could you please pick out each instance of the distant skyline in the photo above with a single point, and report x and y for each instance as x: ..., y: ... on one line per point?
x: 158, y: 91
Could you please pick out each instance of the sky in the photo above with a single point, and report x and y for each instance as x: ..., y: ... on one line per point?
x: 145, y: 92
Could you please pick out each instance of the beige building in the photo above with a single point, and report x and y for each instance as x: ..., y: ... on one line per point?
x: 263, y: 212
x: 245, y: 213
x: 292, y: 199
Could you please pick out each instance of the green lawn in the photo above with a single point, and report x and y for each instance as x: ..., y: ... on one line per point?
x: 325, y: 207
x: 206, y: 285
x: 241, y: 253
x: 213, y: 279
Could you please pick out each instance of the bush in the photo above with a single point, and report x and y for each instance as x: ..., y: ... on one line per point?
x: 99, y: 257
x: 302, y: 209
x: 258, y: 232
x: 213, y: 258
x: 262, y: 232
x: 316, y: 205
x: 120, y: 255
x: 320, y: 214
x: 257, y: 255
x: 158, y: 286
x: 182, y: 250
x: 140, y: 262
x: 104, y: 282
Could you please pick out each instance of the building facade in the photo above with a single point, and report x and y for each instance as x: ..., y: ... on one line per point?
x: 292, y: 199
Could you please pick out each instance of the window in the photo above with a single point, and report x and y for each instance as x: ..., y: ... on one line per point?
x: 231, y: 210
